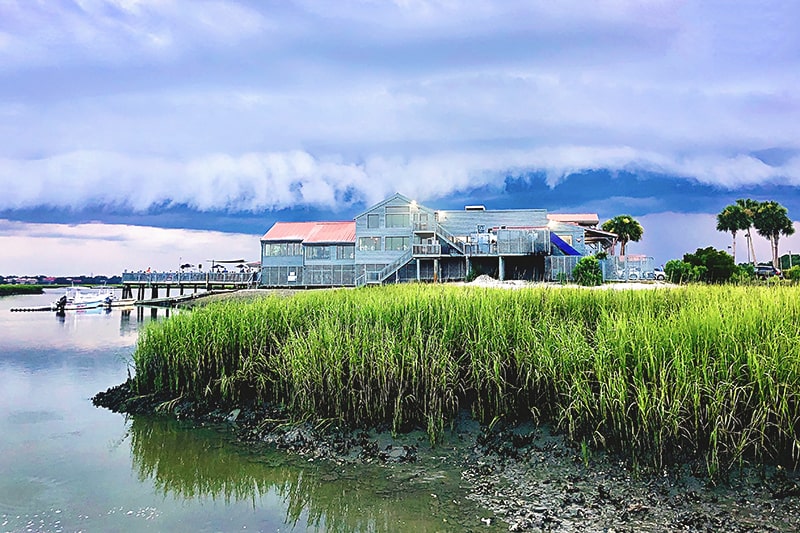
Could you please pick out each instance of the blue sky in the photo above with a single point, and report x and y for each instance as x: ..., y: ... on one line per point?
x: 139, y: 133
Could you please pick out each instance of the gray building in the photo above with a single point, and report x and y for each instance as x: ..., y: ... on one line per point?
x: 399, y: 240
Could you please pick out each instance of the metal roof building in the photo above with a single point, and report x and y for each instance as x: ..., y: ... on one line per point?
x: 399, y: 240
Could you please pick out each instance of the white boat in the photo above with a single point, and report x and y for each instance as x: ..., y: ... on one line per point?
x: 78, y: 298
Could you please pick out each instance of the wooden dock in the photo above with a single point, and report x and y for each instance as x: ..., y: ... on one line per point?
x: 165, y: 284
x: 52, y: 307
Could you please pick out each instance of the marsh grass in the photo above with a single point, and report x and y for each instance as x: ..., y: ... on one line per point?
x: 661, y: 375
x: 12, y: 290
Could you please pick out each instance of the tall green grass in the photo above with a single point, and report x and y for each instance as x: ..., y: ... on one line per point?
x: 11, y: 290
x: 659, y: 375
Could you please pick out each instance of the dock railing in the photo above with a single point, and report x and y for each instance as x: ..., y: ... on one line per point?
x: 237, y: 278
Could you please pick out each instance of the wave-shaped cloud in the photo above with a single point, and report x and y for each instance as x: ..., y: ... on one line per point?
x: 251, y: 106
x: 273, y: 181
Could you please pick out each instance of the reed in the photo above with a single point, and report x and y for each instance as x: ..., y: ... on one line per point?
x: 659, y: 375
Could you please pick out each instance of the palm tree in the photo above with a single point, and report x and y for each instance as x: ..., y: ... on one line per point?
x: 771, y: 220
x: 733, y: 219
x: 749, y: 207
x: 626, y: 228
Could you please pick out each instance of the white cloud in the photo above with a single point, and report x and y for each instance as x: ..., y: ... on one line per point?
x: 269, y: 105
x: 108, y: 249
x: 112, y: 31
x: 273, y: 181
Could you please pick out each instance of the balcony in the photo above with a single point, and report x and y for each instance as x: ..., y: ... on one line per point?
x: 427, y: 249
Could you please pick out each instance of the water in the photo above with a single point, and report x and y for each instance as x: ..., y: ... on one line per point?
x: 68, y: 466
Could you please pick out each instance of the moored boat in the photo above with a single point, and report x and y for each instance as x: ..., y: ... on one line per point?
x: 79, y: 298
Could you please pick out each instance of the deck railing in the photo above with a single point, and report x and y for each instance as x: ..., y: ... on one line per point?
x: 427, y: 249
x: 239, y: 278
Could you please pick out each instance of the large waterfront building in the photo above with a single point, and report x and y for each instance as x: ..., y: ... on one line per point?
x: 400, y: 240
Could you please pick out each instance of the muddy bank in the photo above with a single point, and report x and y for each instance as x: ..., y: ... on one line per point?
x: 527, y: 478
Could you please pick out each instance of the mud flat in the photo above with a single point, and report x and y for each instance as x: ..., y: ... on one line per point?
x: 526, y: 477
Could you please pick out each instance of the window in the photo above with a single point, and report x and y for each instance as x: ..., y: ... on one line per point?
x: 373, y: 220
x: 318, y: 252
x: 282, y: 249
x: 369, y: 244
x: 398, y: 216
x: 397, y: 243
x: 345, y: 252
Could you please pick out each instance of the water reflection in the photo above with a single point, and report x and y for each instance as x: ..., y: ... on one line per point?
x: 85, y: 330
x: 200, y: 464
x: 64, y: 466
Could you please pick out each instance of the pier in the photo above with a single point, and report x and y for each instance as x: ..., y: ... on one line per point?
x: 181, y: 283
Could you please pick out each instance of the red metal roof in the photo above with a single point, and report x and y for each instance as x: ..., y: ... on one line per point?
x: 288, y: 231
x: 333, y: 232
x: 582, y: 219
x: 312, y: 232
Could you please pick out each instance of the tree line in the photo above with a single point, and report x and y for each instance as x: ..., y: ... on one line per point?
x: 770, y: 219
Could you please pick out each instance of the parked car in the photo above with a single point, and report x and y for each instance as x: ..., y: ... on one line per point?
x: 655, y: 274
x: 767, y: 271
x: 630, y: 273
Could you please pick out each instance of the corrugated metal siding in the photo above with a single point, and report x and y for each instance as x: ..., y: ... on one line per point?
x: 462, y: 223
x: 575, y: 232
x: 282, y: 260
x: 364, y: 257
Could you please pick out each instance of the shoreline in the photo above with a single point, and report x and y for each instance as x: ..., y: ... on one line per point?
x: 527, y: 477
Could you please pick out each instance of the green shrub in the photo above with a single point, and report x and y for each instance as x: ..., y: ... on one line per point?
x: 587, y: 272
x: 719, y: 266
x: 743, y: 274
x: 792, y: 274
x: 678, y: 271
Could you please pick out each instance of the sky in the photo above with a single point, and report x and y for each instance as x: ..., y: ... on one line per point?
x: 142, y: 134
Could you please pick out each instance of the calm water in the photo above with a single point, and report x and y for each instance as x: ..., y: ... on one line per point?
x: 68, y: 466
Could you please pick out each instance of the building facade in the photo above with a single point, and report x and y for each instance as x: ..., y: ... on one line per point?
x: 399, y: 240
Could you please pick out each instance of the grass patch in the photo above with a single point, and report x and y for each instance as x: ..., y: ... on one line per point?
x: 11, y: 290
x: 658, y: 375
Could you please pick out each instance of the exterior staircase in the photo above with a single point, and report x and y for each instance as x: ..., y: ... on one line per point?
x: 449, y: 238
x: 377, y: 278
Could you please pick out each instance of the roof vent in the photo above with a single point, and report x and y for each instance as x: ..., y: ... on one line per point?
x: 474, y: 208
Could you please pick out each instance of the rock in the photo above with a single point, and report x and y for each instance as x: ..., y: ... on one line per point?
x: 398, y: 454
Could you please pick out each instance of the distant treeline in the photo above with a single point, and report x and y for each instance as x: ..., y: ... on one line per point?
x: 60, y: 280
